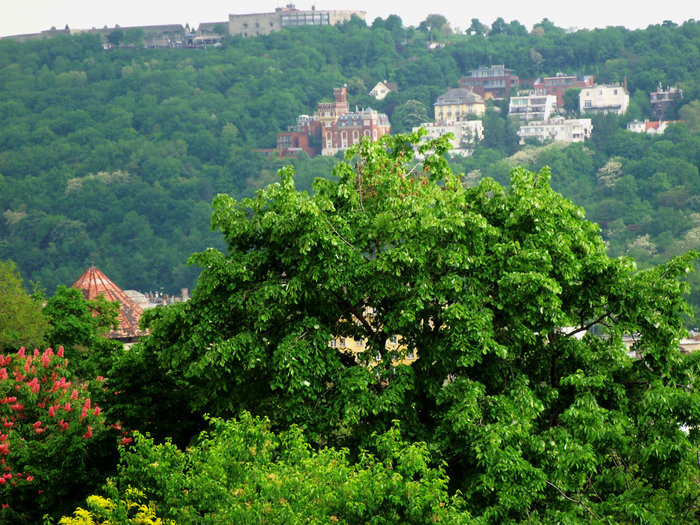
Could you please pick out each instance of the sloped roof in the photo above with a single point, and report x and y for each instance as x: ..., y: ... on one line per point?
x: 93, y: 283
x: 459, y: 96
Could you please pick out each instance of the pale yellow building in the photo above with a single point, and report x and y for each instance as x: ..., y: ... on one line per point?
x: 458, y: 104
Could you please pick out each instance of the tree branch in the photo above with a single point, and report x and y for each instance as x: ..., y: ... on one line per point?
x: 579, y: 502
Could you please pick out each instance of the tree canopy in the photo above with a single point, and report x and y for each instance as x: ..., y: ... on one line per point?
x: 521, y: 384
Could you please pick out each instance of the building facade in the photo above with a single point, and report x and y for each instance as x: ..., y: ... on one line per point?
x: 604, y: 99
x: 332, y: 128
x: 558, y: 85
x: 661, y: 100
x: 557, y: 129
x: 382, y: 89
x: 491, y: 82
x: 256, y: 24
x: 466, y: 133
x: 458, y: 104
x: 656, y: 127
x: 532, y: 107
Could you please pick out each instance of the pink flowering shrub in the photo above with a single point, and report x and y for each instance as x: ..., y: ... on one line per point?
x: 50, y: 430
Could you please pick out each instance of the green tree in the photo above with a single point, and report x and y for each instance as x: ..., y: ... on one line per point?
x: 242, y: 472
x: 21, y: 320
x: 477, y: 28
x: 115, y: 37
x: 516, y: 314
x: 690, y: 114
x: 410, y: 114
x: 80, y: 325
x: 133, y: 36
x: 571, y: 100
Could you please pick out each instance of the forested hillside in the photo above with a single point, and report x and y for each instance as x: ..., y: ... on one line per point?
x: 113, y: 157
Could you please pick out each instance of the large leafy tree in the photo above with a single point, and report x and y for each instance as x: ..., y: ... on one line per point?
x: 522, y: 384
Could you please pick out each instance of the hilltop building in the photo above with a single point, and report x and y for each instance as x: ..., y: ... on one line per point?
x: 491, y: 82
x: 603, y: 98
x: 458, y: 104
x: 332, y: 128
x: 558, y: 85
x: 661, y: 100
x: 557, y: 129
x: 382, y: 89
x: 655, y: 127
x: 532, y: 107
x: 256, y: 24
x: 93, y: 283
x: 466, y: 133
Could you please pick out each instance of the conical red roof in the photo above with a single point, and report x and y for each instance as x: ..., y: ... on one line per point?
x: 93, y: 283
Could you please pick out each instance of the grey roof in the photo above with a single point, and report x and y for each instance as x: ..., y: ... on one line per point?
x: 459, y: 96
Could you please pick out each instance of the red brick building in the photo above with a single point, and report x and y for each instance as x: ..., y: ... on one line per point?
x: 491, y: 82
x: 558, y: 85
x: 332, y: 128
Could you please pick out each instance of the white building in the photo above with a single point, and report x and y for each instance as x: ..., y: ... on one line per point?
x: 604, y: 99
x: 557, y: 129
x: 382, y: 89
x: 532, y: 107
x: 466, y: 134
x: 656, y: 127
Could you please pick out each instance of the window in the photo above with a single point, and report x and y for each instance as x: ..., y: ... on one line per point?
x: 342, y: 342
x: 587, y: 104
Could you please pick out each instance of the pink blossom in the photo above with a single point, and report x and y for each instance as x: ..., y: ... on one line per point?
x: 36, y: 352
x: 39, y: 430
x: 60, y: 351
x: 46, y: 358
x: 34, y: 385
x: 74, y: 394
x: 126, y: 440
x: 52, y: 411
x: 96, y: 411
x: 88, y: 434
x: 30, y: 478
x: 67, y: 407
x: 17, y: 406
x: 83, y: 414
x: 3, y: 373
x: 37, y: 424
x: 21, y: 352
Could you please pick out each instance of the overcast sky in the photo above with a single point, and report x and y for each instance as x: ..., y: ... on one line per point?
x: 33, y: 16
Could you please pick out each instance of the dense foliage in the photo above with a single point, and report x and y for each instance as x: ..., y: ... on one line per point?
x: 522, y: 386
x: 241, y: 472
x: 112, y: 157
x: 522, y: 405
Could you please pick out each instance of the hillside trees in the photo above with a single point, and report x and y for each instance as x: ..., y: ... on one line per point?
x: 21, y: 320
x: 74, y: 112
x: 498, y: 293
